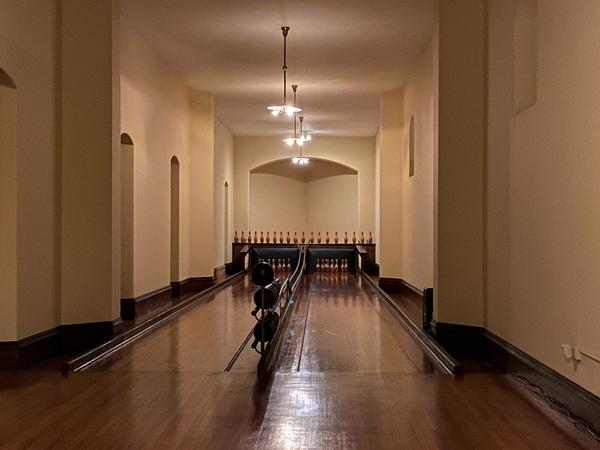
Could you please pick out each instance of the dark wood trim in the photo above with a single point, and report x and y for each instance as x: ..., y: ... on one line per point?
x: 197, y: 284
x: 220, y: 271
x: 33, y: 350
x: 97, y: 352
x: 138, y: 306
x: 399, y: 286
x: 82, y: 336
x: 479, y: 342
x: 435, y: 352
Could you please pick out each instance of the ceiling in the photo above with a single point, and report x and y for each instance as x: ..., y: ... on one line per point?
x: 342, y: 53
x: 317, y: 169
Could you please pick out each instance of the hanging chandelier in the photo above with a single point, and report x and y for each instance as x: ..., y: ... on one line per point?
x: 294, y: 140
x: 285, y: 108
x: 300, y: 159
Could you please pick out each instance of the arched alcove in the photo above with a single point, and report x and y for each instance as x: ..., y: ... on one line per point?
x: 8, y: 200
x: 226, y: 220
x: 6, y: 80
x: 321, y: 196
x: 175, y: 188
x: 127, y: 216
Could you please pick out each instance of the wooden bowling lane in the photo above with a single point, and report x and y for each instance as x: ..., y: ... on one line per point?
x: 203, y: 338
x: 340, y: 325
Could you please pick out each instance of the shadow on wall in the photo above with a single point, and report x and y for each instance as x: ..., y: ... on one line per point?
x: 6, y: 80
x: 319, y: 197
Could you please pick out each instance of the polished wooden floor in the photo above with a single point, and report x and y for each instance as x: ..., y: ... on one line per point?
x: 349, y: 377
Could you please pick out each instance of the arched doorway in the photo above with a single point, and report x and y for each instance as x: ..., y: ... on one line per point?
x: 175, y: 188
x: 127, y: 216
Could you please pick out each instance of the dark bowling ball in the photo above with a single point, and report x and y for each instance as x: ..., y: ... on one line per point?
x: 271, y: 294
x: 271, y: 324
x: 262, y: 274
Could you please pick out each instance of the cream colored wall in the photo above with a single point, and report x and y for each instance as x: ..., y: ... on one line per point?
x: 357, y: 153
x: 332, y: 205
x: 155, y: 113
x: 202, y: 172
x: 459, y: 160
x: 417, y: 191
x: 277, y: 204
x: 90, y: 162
x: 542, y: 242
x: 8, y: 218
x: 31, y: 233
x: 391, y: 142
x: 377, y: 235
x: 223, y: 173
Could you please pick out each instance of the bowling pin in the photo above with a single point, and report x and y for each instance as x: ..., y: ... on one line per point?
x: 327, y: 238
x: 289, y: 266
x: 243, y: 238
x: 262, y: 239
x: 256, y: 237
x: 281, y: 237
x: 336, y: 268
x: 288, y: 238
x: 362, y: 237
x: 295, y: 238
x: 354, y: 237
x: 274, y: 237
x: 345, y: 237
x: 236, y: 239
x: 303, y: 240
x: 318, y: 268
x: 319, y: 238
x: 335, y: 239
x: 370, y: 237
x: 268, y: 238
x: 312, y: 238
x: 279, y: 265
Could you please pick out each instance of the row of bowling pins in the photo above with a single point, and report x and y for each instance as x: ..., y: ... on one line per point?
x: 302, y: 240
x: 326, y: 265
x: 279, y: 265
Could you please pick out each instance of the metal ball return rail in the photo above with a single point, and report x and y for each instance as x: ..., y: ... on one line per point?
x: 274, y: 301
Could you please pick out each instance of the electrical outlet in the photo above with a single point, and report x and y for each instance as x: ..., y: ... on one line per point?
x: 567, y: 351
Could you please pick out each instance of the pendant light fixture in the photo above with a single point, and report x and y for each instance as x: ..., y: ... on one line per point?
x: 291, y: 141
x: 285, y: 108
x: 300, y: 160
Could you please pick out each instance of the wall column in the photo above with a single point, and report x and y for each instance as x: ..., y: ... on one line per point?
x: 391, y: 140
x: 202, y: 172
x: 458, y: 246
x: 90, y: 189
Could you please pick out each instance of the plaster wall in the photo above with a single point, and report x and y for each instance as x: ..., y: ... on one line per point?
x: 277, y: 204
x: 417, y: 191
x: 155, y: 114
x: 542, y: 223
x: 357, y: 153
x: 333, y: 206
x: 223, y: 233
x: 31, y: 222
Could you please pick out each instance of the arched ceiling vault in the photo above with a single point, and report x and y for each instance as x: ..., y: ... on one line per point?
x: 317, y: 169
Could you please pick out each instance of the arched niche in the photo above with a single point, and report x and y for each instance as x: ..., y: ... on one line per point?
x: 321, y: 196
x: 127, y: 216
x: 8, y: 200
x: 175, y: 212
x: 6, y: 80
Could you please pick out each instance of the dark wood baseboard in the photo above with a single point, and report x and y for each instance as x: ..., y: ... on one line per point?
x: 138, y: 306
x: 197, y: 284
x: 33, y: 350
x: 220, y: 271
x: 399, y: 286
x: 481, y: 343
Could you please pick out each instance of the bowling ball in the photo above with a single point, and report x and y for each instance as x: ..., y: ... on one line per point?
x: 262, y: 274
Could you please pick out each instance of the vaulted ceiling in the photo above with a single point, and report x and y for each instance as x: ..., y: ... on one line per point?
x: 342, y: 53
